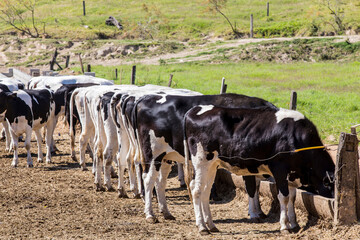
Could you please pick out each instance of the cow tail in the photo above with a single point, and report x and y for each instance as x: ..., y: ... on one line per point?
x: 123, y: 107
x: 113, y: 110
x: 188, y: 170
x: 133, y: 120
x: 66, y: 106
x: 71, y: 112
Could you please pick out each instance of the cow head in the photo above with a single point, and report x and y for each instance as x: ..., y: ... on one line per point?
x: 320, y: 168
x: 322, y: 177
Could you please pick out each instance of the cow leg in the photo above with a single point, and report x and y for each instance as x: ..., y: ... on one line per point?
x: 121, y: 169
x: 135, y: 173
x: 149, y: 182
x: 283, y: 197
x: 180, y: 168
x: 140, y: 182
x: 15, y: 141
x: 160, y: 190
x: 291, y: 210
x: 27, y: 147
x: 7, y: 135
x: 108, y: 159
x: 2, y: 135
x: 98, y: 165
x: 205, y: 199
x: 50, y: 139
x: 252, y: 185
x: 84, y: 138
x: 195, y: 187
x: 72, y: 143
x: 39, y: 142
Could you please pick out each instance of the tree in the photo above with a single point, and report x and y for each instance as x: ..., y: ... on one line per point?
x: 336, y: 9
x: 217, y: 6
x: 17, y: 13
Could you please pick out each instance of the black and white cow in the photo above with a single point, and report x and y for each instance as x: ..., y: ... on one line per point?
x: 158, y: 122
x: 63, y: 86
x: 254, y: 142
x: 8, y: 85
x: 27, y: 110
x: 122, y: 105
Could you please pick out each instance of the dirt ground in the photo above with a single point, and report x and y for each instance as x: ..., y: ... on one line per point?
x: 59, y: 201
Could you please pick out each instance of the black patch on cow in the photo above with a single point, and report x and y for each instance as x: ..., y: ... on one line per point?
x: 209, y: 156
x: 16, y: 120
x: 250, y: 185
x: 105, y: 101
x: 41, y: 102
x: 158, y: 160
x: 4, y: 88
x: 15, y: 107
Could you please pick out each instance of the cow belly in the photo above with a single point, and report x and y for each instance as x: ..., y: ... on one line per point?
x: 19, y: 125
x: 261, y: 170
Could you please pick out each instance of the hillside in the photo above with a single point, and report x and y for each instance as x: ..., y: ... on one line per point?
x: 191, y: 21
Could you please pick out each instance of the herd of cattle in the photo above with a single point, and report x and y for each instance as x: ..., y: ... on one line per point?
x: 145, y: 128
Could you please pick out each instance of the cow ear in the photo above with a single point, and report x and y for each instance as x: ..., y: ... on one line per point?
x: 11, y: 94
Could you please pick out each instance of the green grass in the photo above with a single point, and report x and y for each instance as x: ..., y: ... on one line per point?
x: 186, y: 21
x: 328, y: 93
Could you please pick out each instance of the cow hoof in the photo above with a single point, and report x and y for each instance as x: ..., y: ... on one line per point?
x: 40, y: 160
x: 136, y: 196
x: 74, y: 158
x: 262, y: 215
x: 110, y: 189
x: 204, y: 232
x: 152, y: 219
x: 295, y: 229
x: 83, y: 168
x: 122, y: 194
x: 183, y: 186
x: 99, y: 188
x: 255, y: 220
x: 14, y: 165
x: 169, y: 217
x: 48, y: 161
x: 214, y: 229
x: 30, y: 165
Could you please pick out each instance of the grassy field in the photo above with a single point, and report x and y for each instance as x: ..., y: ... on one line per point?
x: 328, y: 93
x: 189, y: 20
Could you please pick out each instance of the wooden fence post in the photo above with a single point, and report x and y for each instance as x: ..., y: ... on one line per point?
x: 346, y: 176
x: 84, y: 11
x: 88, y: 68
x: 81, y: 64
x: 251, y: 26
x: 357, y: 186
x: 223, y: 86
x: 53, y: 60
x: 293, y: 100
x: 116, y: 73
x: 67, y: 61
x: 133, y: 74
x: 267, y: 9
x: 170, y: 80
